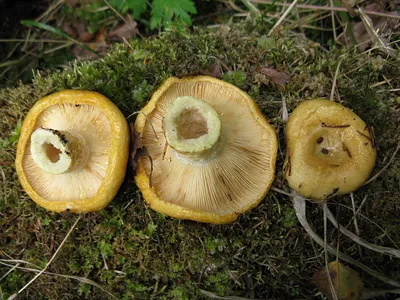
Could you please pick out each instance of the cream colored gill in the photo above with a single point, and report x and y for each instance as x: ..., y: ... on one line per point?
x: 83, y: 180
x: 234, y: 180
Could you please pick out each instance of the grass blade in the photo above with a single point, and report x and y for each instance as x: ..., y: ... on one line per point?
x: 57, y: 32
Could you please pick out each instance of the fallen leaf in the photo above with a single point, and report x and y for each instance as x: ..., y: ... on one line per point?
x: 138, y: 151
x: 98, y: 43
x: 362, y: 34
x: 213, y: 71
x: 274, y: 76
x: 346, y: 282
x: 126, y: 31
x: 69, y: 29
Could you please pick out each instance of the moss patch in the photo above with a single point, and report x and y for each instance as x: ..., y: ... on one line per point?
x: 134, y: 252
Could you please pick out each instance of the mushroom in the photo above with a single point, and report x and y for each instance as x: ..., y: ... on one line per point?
x: 73, y: 151
x: 214, y: 153
x: 329, y: 150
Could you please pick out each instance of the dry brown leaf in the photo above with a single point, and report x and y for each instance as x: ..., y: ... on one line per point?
x: 98, y: 44
x: 213, y: 70
x: 272, y: 75
x: 138, y: 151
x: 346, y: 282
x: 361, y: 34
x: 126, y: 31
x: 69, y: 29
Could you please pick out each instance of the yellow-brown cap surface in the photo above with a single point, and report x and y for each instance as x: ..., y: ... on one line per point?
x: 232, y: 180
x: 102, y: 128
x: 329, y: 150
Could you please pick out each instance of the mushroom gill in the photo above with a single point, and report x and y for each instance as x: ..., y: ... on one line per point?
x: 221, y: 166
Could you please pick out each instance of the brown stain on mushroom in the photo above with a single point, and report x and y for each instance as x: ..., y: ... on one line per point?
x: 334, y: 191
x: 325, y: 151
x: 367, y: 137
x: 334, y: 126
x: 345, y: 149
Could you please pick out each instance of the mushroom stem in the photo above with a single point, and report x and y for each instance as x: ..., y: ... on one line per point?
x: 57, y: 152
x: 192, y: 128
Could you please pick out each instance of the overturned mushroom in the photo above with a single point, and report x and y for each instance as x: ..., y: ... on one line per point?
x: 72, y: 152
x: 329, y: 150
x: 215, y: 153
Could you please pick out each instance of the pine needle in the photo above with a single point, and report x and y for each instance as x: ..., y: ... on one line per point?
x: 49, y: 262
x: 299, y: 206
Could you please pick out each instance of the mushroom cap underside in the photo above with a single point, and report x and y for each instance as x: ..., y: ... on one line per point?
x: 329, y: 150
x: 233, y: 181
x: 106, y: 132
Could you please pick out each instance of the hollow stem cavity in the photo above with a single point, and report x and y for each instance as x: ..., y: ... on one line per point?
x: 58, y: 152
x: 192, y: 128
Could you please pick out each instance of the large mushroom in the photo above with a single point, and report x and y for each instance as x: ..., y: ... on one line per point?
x: 329, y: 150
x: 72, y: 152
x: 213, y: 155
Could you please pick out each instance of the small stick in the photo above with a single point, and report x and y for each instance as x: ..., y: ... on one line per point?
x: 334, y: 79
x: 50, y: 261
x: 360, y: 241
x: 148, y: 119
x: 299, y: 205
x: 353, y: 206
x: 333, y: 28
x: 385, y: 167
x: 283, y: 17
x: 328, y: 273
x: 334, y: 126
x: 327, y: 8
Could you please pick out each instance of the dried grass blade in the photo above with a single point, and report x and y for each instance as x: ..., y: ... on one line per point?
x: 362, y: 242
x: 299, y: 206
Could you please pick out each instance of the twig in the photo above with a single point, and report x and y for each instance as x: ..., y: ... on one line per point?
x: 360, y: 241
x: 373, y: 222
x: 334, y: 80
x: 385, y: 167
x: 333, y: 25
x: 250, y: 6
x: 148, y: 119
x: 215, y: 296
x: 281, y: 191
x: 283, y: 17
x: 353, y: 206
x: 8, y: 272
x: 327, y: 8
x: 50, y: 261
x: 333, y: 292
x: 285, y: 114
x: 368, y: 294
x: 299, y: 20
x: 4, y: 185
x: 369, y: 26
x: 299, y: 205
x: 116, y: 12
x: 80, y: 279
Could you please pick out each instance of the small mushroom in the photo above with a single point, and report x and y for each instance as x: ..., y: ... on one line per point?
x: 214, y: 153
x: 73, y: 151
x: 329, y: 150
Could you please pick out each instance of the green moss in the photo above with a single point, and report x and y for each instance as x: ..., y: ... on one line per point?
x: 133, y: 251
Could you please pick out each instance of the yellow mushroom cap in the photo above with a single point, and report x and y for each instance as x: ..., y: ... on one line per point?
x: 73, y: 151
x: 220, y: 181
x: 329, y: 150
